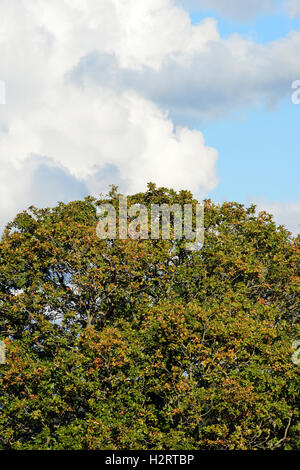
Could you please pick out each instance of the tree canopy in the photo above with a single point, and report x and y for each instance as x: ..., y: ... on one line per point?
x: 142, y: 344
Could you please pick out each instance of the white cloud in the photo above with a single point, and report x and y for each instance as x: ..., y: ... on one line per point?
x: 293, y: 8
x: 36, y: 181
x: 236, y: 9
x: 89, y: 85
x: 88, y: 129
x: 285, y: 213
x: 225, y: 76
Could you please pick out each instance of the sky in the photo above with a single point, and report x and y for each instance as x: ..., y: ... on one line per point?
x: 189, y: 94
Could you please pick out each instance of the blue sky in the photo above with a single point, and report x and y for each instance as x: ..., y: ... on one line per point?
x: 190, y: 94
x: 262, y: 29
x: 259, y: 154
x: 259, y: 151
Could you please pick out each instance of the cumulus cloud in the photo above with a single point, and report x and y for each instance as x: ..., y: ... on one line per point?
x: 236, y: 9
x: 35, y: 181
x: 96, y: 133
x: 293, y: 8
x: 285, y: 213
x: 92, y: 88
x: 226, y: 75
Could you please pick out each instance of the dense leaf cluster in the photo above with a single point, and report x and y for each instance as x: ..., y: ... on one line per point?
x: 141, y: 344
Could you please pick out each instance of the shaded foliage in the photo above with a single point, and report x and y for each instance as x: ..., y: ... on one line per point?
x: 141, y: 344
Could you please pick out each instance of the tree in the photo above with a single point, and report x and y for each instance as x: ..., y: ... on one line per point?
x: 142, y: 344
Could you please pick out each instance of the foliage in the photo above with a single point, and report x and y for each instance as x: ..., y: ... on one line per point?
x: 141, y: 344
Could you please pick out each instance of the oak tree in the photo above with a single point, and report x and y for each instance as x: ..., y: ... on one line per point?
x: 143, y: 344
